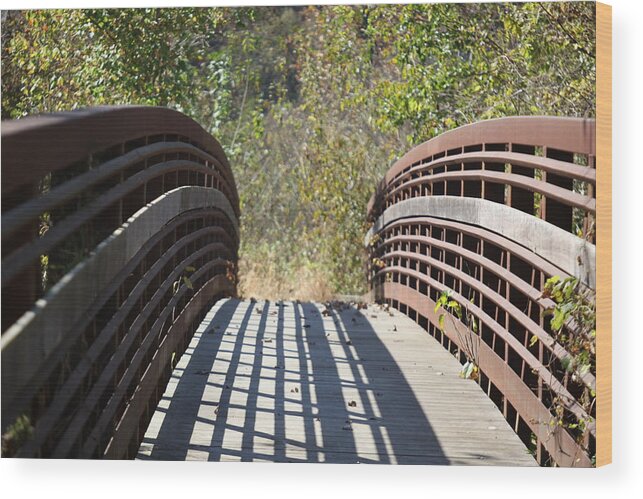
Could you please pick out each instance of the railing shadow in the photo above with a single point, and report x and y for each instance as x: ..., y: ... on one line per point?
x: 396, y: 419
x: 186, y: 400
x: 296, y: 389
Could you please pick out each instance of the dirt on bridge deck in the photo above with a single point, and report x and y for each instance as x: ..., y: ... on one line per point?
x: 295, y: 382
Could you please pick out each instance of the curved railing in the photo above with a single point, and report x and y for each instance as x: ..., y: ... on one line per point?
x: 490, y: 211
x: 119, y: 232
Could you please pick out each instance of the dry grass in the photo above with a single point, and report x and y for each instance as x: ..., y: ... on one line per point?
x: 266, y: 282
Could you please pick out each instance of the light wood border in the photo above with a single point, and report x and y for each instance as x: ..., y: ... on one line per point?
x: 603, y: 234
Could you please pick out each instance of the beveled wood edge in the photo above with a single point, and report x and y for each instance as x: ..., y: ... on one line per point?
x: 537, y: 235
x: 604, y: 234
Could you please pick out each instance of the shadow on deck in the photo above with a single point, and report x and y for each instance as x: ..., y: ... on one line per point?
x: 286, y: 383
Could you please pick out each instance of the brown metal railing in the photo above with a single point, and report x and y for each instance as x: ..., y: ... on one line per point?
x: 428, y: 236
x: 119, y: 232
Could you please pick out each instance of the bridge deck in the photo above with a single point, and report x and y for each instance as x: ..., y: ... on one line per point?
x: 287, y: 383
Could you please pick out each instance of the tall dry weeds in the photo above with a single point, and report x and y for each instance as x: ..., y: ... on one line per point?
x: 266, y: 282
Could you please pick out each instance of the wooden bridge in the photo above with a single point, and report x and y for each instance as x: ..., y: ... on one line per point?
x: 122, y: 336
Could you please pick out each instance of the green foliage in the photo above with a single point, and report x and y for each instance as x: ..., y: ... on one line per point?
x: 311, y: 104
x: 16, y: 435
x: 372, y: 81
x: 573, y: 324
x: 434, y: 67
x: 469, y: 340
x: 184, y: 279
x: 60, y: 59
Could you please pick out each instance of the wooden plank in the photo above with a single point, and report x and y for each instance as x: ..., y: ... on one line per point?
x: 603, y: 234
x: 286, y: 383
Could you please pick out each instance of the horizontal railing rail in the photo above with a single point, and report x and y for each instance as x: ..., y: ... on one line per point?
x: 119, y: 232
x: 540, y: 167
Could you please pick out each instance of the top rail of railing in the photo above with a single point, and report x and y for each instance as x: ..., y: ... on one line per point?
x: 39, y: 145
x: 529, y: 163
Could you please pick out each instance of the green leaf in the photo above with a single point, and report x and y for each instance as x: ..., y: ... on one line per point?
x: 566, y: 362
x: 558, y: 320
x: 441, y: 322
x: 553, y: 280
x: 533, y: 341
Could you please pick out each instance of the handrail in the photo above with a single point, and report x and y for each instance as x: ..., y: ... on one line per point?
x: 562, y: 168
x: 149, y: 201
x: 560, y: 133
x: 514, y: 154
x: 51, y: 142
x: 414, y: 256
x: 75, y: 186
x: 550, y: 191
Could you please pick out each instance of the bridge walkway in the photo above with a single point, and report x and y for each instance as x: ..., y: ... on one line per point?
x: 300, y: 382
